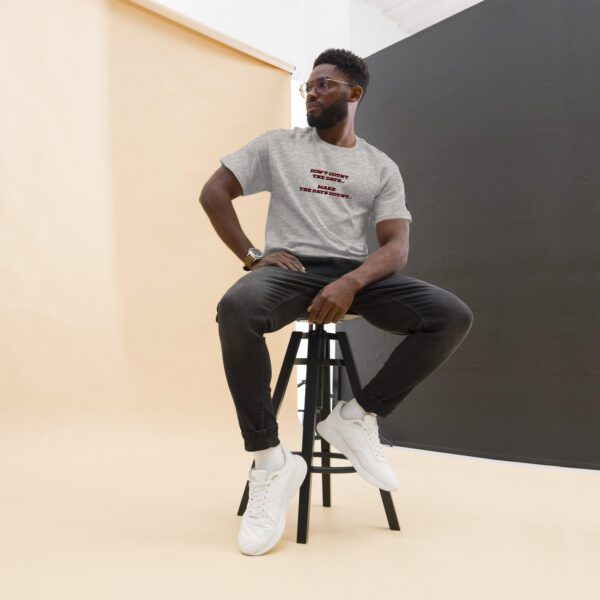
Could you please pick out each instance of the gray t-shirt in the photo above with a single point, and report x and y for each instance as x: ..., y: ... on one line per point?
x: 323, y: 196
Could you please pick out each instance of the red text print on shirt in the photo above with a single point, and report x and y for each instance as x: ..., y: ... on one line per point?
x: 328, y: 190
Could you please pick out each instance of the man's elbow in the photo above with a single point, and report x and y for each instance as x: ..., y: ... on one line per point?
x: 399, y: 252
x: 402, y: 262
x: 206, y: 194
x: 402, y: 257
x: 404, y: 253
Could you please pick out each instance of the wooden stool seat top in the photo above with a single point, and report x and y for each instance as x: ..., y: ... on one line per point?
x: 346, y: 317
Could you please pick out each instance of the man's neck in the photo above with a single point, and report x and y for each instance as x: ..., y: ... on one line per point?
x: 339, y: 135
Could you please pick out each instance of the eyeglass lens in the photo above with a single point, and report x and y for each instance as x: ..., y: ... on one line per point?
x: 321, y: 86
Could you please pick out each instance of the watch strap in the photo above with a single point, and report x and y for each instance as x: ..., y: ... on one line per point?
x: 249, y: 260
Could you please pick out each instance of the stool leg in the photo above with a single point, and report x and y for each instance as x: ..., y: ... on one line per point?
x: 282, y: 383
x: 286, y: 370
x: 324, y: 413
x: 308, y: 428
x: 348, y: 358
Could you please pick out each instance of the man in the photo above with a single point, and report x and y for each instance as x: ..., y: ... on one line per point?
x: 327, y: 185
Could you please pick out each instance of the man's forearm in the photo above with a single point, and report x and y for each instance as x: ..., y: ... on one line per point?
x: 219, y: 208
x: 388, y: 259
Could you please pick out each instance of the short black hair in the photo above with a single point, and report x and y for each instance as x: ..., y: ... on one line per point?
x: 352, y: 66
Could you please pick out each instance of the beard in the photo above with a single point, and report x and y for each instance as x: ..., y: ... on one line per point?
x: 328, y: 117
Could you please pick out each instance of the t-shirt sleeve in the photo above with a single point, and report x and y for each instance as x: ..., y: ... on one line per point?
x: 390, y: 202
x: 250, y: 165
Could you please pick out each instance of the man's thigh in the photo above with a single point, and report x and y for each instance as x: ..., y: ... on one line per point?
x: 403, y: 304
x: 276, y: 295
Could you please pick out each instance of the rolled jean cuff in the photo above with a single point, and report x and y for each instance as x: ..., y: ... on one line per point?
x: 371, y: 404
x: 261, y: 439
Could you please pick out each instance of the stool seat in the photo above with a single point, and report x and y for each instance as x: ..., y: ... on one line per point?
x: 317, y: 406
x: 345, y: 317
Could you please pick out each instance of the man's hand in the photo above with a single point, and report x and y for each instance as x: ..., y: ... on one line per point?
x: 332, y: 302
x: 280, y: 259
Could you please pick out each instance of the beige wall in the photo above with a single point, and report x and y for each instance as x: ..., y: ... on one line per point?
x: 112, y: 119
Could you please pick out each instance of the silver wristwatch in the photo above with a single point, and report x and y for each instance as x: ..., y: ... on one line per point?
x: 253, y: 255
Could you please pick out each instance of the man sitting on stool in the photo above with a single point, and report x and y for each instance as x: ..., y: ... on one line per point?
x: 327, y: 184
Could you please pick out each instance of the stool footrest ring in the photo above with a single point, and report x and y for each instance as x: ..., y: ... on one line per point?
x: 316, y: 469
x: 323, y: 454
x: 332, y: 362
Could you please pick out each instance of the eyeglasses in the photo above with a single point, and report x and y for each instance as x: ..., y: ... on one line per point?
x: 322, y: 85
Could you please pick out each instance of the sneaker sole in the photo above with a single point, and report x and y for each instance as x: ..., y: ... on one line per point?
x: 332, y: 437
x: 295, y: 482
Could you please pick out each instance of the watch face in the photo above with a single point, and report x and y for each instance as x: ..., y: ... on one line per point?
x: 255, y: 253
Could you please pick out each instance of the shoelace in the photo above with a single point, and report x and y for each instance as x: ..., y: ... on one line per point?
x: 258, y: 498
x: 373, y: 437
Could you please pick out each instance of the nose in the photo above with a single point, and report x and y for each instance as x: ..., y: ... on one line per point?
x: 311, y: 95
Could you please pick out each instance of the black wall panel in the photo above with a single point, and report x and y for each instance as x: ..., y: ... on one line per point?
x: 493, y: 116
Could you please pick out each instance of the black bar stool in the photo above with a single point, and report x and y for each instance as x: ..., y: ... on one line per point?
x: 318, y: 402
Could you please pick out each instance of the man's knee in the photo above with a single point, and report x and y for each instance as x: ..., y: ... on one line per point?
x: 237, y: 305
x: 230, y: 305
x: 461, y: 317
x: 455, y: 315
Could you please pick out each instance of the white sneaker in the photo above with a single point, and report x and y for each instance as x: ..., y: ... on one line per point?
x: 270, y: 493
x: 358, y: 440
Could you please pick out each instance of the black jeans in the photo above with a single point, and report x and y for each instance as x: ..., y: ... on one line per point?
x: 265, y: 300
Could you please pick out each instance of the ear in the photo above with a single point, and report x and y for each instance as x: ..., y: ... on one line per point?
x: 355, y: 93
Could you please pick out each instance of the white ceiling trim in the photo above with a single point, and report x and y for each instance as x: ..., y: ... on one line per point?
x: 220, y: 36
x: 413, y: 16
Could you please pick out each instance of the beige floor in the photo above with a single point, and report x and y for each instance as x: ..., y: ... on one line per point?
x: 128, y: 508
